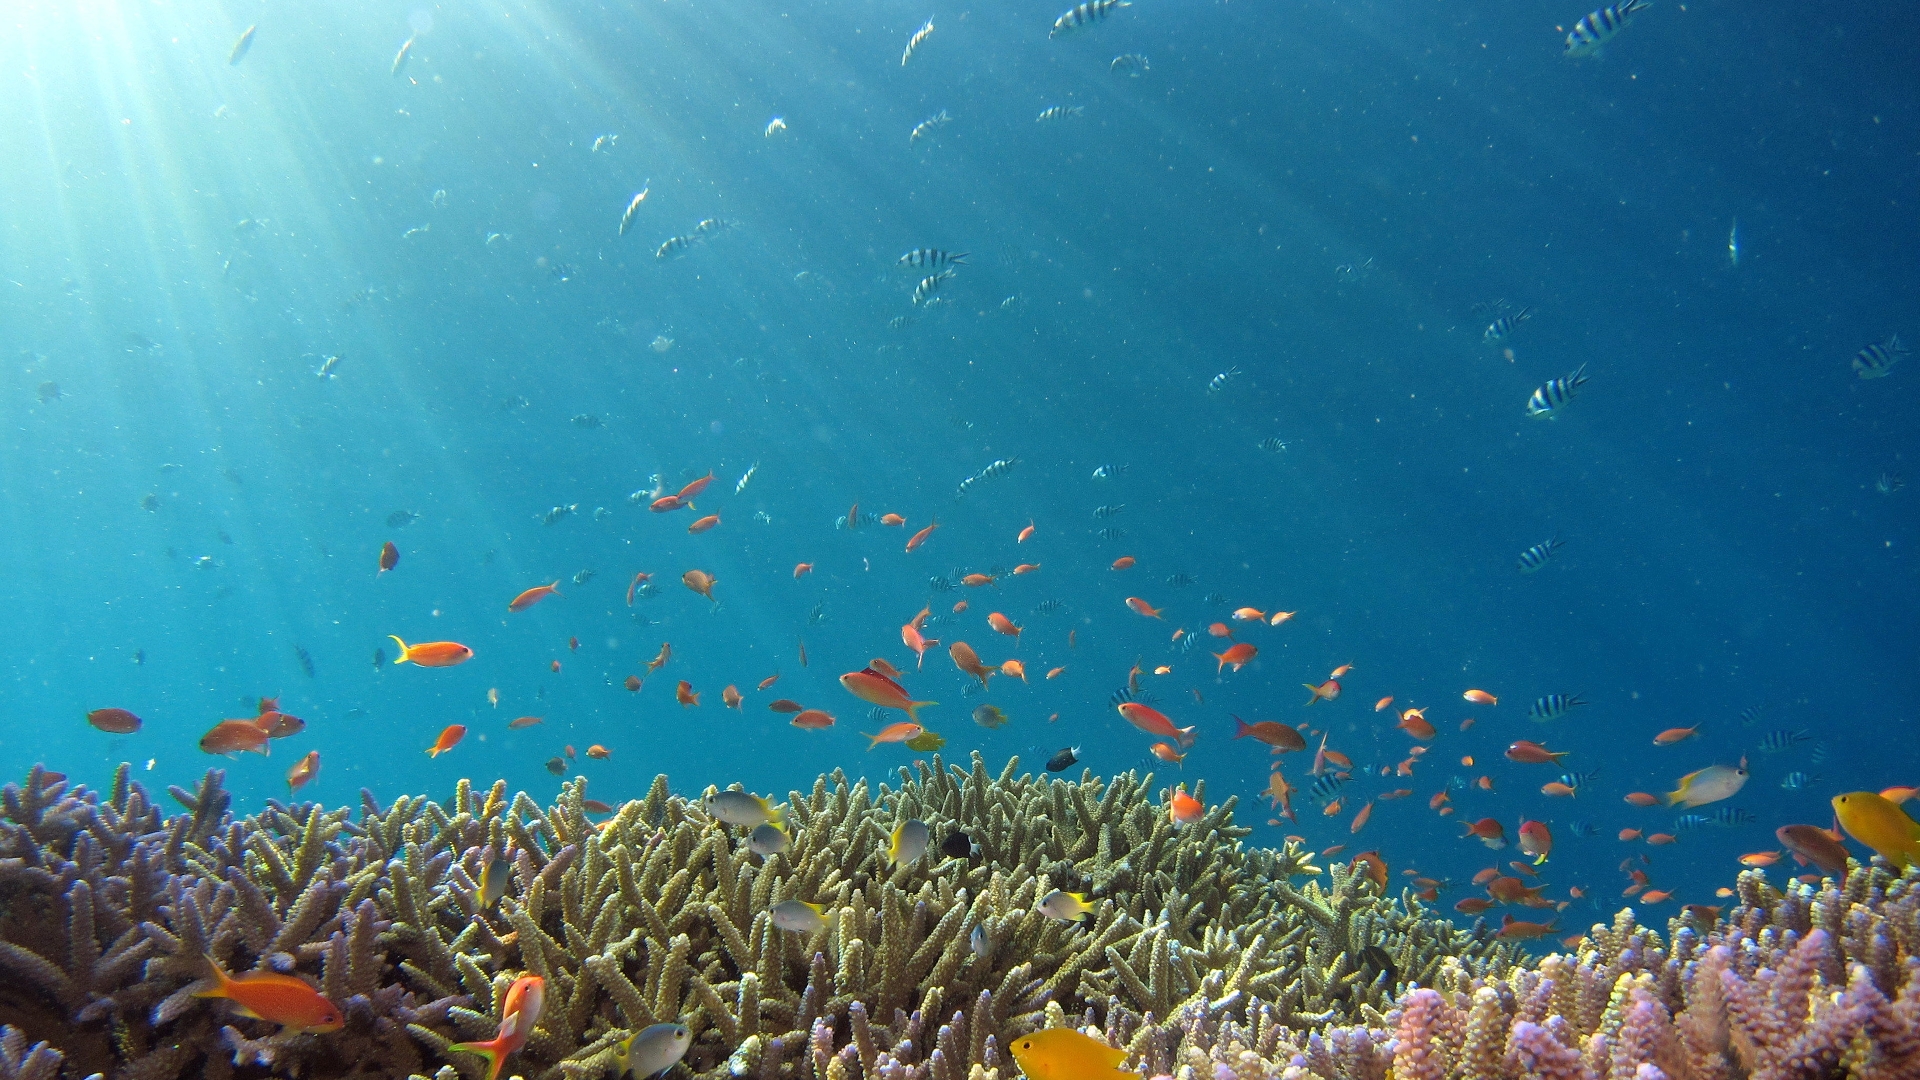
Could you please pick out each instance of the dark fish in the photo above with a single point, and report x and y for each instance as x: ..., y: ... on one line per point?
x: 139, y: 656
x: 1181, y: 581
x: 379, y: 659
x: 1109, y: 510
x: 940, y: 584
x: 150, y: 502
x: 1783, y: 739
x: 585, y: 420
x: 1048, y: 607
x: 556, y: 766
x: 1380, y: 960
x: 1111, y: 533
x: 306, y: 661
x: 1536, y: 556
x: 49, y: 391
x: 401, y: 518
x: 958, y: 845
x: 1554, y: 706
x: 563, y: 271
x: 1555, y: 393
x: 1065, y: 759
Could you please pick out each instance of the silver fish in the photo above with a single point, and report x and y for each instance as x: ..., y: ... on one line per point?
x: 1130, y: 64
x: 919, y: 38
x: 908, y: 842
x: 651, y: 1051
x: 741, y: 808
x: 767, y: 840
x: 633, y: 206
x: 400, y: 58
x: 798, y: 916
x: 745, y: 477
x: 928, y: 126
x: 1272, y: 445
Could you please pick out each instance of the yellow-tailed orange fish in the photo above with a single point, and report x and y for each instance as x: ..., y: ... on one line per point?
x: 1279, y: 617
x: 900, y: 732
x: 876, y: 689
x: 1381, y: 705
x: 1154, y: 722
x: 432, y: 653
x: 1014, y: 668
x: 660, y: 661
x: 1760, y: 858
x: 286, y: 1000
x: 1165, y: 752
x: 1326, y: 691
x: 449, y: 737
x: 683, y: 693
x: 303, y: 772
x: 519, y: 1011
x: 532, y: 596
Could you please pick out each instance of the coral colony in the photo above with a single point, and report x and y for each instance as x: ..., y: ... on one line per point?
x: 1200, y: 958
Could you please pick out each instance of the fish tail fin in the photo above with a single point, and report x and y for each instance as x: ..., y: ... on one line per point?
x: 221, y: 980
x: 402, y: 658
x: 1314, y: 690
x: 1185, y: 738
x: 491, y: 1050
x: 1240, y: 727
x: 872, y: 740
x: 913, y: 708
x: 1222, y: 657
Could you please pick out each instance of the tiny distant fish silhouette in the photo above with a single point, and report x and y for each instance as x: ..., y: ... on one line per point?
x: 1111, y: 533
x: 379, y: 659
x: 1215, y: 599
x: 1750, y: 715
x: 1048, y: 607
x: 1181, y: 581
x: 139, y: 656
x: 1818, y: 754
x: 1797, y: 781
x: 1582, y: 828
x: 306, y: 660
x: 556, y: 513
x: 400, y: 519
x: 1219, y: 382
x: 817, y: 614
x: 585, y: 420
x: 1776, y: 742
x: 49, y: 391
x: 1503, y: 327
x: 1538, y: 555
x: 1130, y: 64
x: 940, y: 584
x: 583, y: 577
x: 1185, y: 642
x: 1273, y: 445
x: 1112, y: 510
x: 1124, y: 695
x: 1889, y: 483
x: 1108, y: 472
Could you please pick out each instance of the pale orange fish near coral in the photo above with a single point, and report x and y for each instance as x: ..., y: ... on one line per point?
x: 303, y: 772
x: 895, y: 733
x: 1166, y: 753
x: 1182, y: 808
x: 1341, y: 671
x: 598, y: 752
x: 450, y: 736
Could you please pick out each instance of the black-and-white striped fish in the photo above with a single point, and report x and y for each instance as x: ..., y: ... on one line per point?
x: 1782, y: 740
x: 1186, y: 641
x: 677, y: 243
x: 999, y: 468
x: 919, y: 37
x: 1499, y: 328
x: 931, y: 258
x: 1556, y: 393
x: 1090, y: 12
x: 1818, y: 754
x: 1597, y: 28
x: 1796, y: 781
x: 1272, y: 445
x: 713, y: 225
x: 1060, y: 112
x: 1554, y: 706
x: 633, y: 207
x: 1048, y: 607
x: 1577, y: 780
x: 1108, y: 472
x: 1877, y: 360
x: 1219, y: 382
x: 1181, y: 581
x: 1131, y: 64
x: 1109, y: 510
x: 1750, y: 715
x: 1111, y: 533
x: 929, y: 284
x: 1536, y: 556
x: 1326, y: 788
x: 940, y: 584
x: 926, y: 127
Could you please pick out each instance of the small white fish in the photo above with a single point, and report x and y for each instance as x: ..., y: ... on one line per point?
x: 1733, y: 244
x: 651, y: 1051
x: 604, y: 142
x: 745, y: 477
x: 741, y: 808
x: 327, y: 364
x: 767, y: 840
x: 400, y: 58
x: 633, y: 207
x: 927, y: 126
x: 1060, y: 112
x: 776, y: 124
x: 978, y: 941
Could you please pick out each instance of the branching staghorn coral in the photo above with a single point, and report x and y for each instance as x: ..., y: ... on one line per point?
x: 661, y: 913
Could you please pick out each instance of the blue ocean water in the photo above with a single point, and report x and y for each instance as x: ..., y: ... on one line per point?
x: 1320, y: 200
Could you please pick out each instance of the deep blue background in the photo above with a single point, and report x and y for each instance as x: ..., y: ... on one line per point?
x: 1726, y: 546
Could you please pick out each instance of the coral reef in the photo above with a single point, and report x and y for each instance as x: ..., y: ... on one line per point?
x: 1201, y: 957
x: 108, y: 910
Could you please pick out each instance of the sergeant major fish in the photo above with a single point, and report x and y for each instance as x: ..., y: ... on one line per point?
x: 1596, y: 28
x: 1219, y: 382
x: 1876, y: 360
x: 1090, y: 12
x: 1537, y: 556
x: 1555, y: 393
x: 1060, y: 112
x: 918, y: 39
x: 926, y: 127
x: 931, y: 257
x: 1500, y: 328
x: 1553, y: 706
x: 626, y: 219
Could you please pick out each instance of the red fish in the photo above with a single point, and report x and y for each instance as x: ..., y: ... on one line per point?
x: 633, y: 587
x: 1528, y: 752
x: 876, y: 689
x: 1272, y: 732
x: 1360, y: 819
x: 1123, y: 562
x: 703, y: 524
x: 769, y: 680
x: 235, y: 736
x: 968, y: 661
x: 389, y: 557
x: 1536, y: 840
x: 894, y: 520
x: 286, y: 1000
x: 1414, y: 722
x: 666, y: 504
x: 114, y: 721
x: 1674, y: 735
x: 1238, y: 655
x: 519, y: 1011
x: 911, y: 636
x: 1489, y: 830
x: 1154, y: 722
x: 802, y: 568
x: 1182, y: 808
x: 692, y: 491
x: 812, y: 719
x: 533, y: 596
x: 1002, y: 624
x: 449, y: 737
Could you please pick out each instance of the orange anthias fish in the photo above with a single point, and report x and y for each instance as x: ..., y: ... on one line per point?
x: 1760, y: 858
x: 812, y: 719
x: 598, y: 752
x: 1025, y: 568
x: 286, y: 1000
x: 921, y: 537
x: 892, y: 519
x: 1281, y: 793
x: 1480, y: 697
x: 1141, y: 607
x: 1360, y: 819
x: 910, y: 636
x: 389, y: 557
x: 660, y: 661
x: 880, y: 665
x: 1056, y: 672
x: 235, y: 736
x: 1326, y: 691
x: 1014, y: 669
x: 519, y: 722
x: 1528, y: 752
x: 432, y: 653
x: 703, y: 524
x: 700, y: 581
x: 533, y: 596
x: 802, y: 568
x: 1154, y: 722
x: 876, y: 689
x: 692, y: 491
x: 1247, y: 614
x: 1513, y: 929
x: 633, y: 587
x: 1536, y: 840
x: 968, y: 661
x: 449, y: 737
x: 1489, y: 830
x: 1182, y: 808
x: 1272, y: 732
x: 666, y: 504
x: 769, y: 680
x: 1166, y: 752
x: 1381, y: 705
x: 519, y: 1011
x: 683, y: 693
x: 1238, y: 655
x: 1002, y: 624
x: 731, y: 696
x: 1123, y: 562
x: 974, y: 581
x: 303, y: 772
x: 1414, y: 722
x: 1025, y: 533
x: 901, y: 732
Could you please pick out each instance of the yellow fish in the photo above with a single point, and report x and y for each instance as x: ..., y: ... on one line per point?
x: 1065, y: 1054
x: 1880, y: 824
